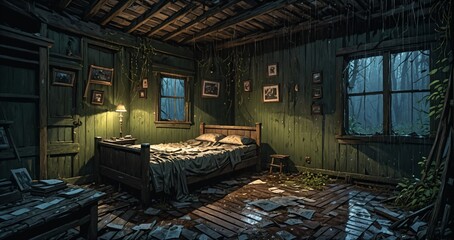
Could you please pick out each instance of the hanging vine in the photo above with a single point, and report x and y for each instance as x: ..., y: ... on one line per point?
x: 443, y: 9
x: 140, y: 60
x: 416, y: 193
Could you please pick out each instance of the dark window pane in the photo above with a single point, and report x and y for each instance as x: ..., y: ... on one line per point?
x: 365, y: 75
x: 365, y: 114
x: 410, y: 70
x: 172, y: 102
x: 167, y: 86
x: 409, y: 113
x: 172, y: 109
x: 179, y: 88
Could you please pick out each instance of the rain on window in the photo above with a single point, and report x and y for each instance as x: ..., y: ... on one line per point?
x: 402, y: 91
x: 172, y: 101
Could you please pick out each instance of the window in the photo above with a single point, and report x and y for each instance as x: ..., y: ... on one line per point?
x: 173, y: 99
x: 387, y: 94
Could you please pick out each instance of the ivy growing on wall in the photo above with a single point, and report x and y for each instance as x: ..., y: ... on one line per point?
x: 140, y: 61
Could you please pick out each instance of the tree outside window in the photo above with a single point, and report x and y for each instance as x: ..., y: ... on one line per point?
x: 173, y: 97
x: 387, y: 94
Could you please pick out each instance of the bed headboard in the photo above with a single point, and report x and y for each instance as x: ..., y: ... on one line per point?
x: 252, y: 132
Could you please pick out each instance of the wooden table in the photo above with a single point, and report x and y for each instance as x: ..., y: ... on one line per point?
x: 80, y: 210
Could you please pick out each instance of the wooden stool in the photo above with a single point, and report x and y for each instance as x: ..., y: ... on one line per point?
x: 280, y: 158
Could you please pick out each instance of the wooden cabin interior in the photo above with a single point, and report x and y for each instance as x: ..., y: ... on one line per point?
x: 349, y: 93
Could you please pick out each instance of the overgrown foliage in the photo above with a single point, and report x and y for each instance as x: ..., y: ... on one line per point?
x: 437, y: 96
x: 443, y: 10
x: 313, y: 180
x: 415, y: 193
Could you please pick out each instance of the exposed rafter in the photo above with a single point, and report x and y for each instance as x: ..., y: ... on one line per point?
x: 200, y: 18
x: 181, y: 13
x: 120, y: 7
x: 146, y: 15
x: 245, y: 16
x: 62, y: 4
x: 279, y: 32
x: 93, y: 8
x: 205, y: 21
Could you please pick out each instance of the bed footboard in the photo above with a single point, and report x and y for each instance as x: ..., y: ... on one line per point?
x: 124, y: 164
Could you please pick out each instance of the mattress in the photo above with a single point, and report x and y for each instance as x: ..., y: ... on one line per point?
x: 171, y: 163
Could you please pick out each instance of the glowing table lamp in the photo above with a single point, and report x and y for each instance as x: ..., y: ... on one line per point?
x: 121, y: 109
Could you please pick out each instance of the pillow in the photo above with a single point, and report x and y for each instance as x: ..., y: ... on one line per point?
x: 237, y: 140
x: 210, y: 137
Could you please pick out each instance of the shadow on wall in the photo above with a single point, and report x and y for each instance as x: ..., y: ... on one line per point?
x: 383, y: 159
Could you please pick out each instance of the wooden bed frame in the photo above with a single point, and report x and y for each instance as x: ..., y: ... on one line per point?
x: 130, y: 166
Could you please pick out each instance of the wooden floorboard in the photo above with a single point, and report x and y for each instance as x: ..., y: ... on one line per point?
x: 341, y: 211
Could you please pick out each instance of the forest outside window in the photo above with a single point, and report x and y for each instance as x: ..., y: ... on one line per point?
x: 387, y: 94
x: 173, y: 107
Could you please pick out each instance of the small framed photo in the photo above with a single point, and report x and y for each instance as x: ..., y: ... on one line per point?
x: 317, y: 92
x: 100, y: 75
x: 97, y: 97
x: 247, y: 85
x: 271, y: 93
x: 272, y: 70
x: 4, y: 144
x: 316, y: 108
x: 63, y: 77
x: 142, y: 93
x: 145, y: 83
x: 210, y: 89
x: 317, y: 77
x: 22, y: 178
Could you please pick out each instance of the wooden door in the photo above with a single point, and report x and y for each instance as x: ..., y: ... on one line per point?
x: 63, y: 122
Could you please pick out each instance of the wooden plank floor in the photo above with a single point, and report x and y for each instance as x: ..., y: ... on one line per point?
x: 340, y: 211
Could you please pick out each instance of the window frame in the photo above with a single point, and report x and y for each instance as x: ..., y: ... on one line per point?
x: 386, y: 136
x: 186, y: 123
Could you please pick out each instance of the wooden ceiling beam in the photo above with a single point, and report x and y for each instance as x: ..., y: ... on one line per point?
x: 279, y: 32
x: 244, y: 16
x: 259, y: 36
x: 120, y: 7
x: 62, y: 4
x: 180, y: 14
x: 207, y: 14
x: 93, y: 9
x: 146, y: 15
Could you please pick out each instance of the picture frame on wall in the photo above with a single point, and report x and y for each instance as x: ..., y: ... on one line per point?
x: 100, y: 75
x: 316, y: 108
x: 97, y: 97
x: 63, y: 77
x: 210, y: 89
x: 272, y: 70
x: 317, y: 92
x: 271, y: 93
x: 317, y: 77
x: 4, y: 143
x: 142, y: 93
x: 145, y: 83
x: 22, y: 178
x: 247, y: 85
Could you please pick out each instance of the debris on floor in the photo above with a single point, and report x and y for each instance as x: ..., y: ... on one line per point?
x: 251, y: 208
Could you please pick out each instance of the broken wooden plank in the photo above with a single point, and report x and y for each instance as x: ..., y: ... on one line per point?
x: 206, y: 230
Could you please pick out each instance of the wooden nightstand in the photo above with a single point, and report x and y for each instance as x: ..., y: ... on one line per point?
x: 123, y: 141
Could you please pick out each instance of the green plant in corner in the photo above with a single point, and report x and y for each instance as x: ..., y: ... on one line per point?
x: 313, y: 180
x: 415, y: 193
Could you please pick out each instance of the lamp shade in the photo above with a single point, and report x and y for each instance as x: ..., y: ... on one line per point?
x: 120, y: 108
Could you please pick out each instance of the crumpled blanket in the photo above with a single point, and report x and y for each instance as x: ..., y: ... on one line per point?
x: 171, y: 163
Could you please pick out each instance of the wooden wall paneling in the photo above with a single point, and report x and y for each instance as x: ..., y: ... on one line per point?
x: 65, y: 44
x: 312, y: 135
x: 43, y: 84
